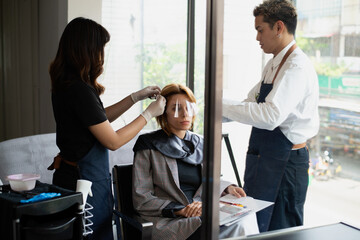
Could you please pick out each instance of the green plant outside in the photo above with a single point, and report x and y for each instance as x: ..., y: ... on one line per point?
x: 165, y: 64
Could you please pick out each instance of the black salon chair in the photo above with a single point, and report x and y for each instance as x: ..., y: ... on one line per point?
x: 130, y: 224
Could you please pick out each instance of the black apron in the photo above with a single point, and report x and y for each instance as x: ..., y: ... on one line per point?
x: 266, y: 162
x: 94, y: 166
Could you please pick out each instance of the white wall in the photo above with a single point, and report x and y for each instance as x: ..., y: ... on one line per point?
x: 85, y: 8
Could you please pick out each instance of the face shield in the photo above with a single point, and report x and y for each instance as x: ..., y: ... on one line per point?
x: 185, y: 108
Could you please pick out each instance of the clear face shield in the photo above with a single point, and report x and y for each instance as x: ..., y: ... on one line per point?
x: 185, y: 108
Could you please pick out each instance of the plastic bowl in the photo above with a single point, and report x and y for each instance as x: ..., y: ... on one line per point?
x: 23, y: 181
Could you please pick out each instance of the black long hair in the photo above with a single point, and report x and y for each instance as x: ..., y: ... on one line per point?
x: 80, y: 54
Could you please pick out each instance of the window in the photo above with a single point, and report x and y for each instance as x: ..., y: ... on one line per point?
x: 148, y: 46
x: 352, y: 48
x: 328, y: 33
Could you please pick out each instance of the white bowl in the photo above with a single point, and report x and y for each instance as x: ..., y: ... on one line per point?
x: 23, y: 181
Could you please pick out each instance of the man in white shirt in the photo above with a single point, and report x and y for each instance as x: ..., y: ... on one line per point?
x: 283, y: 110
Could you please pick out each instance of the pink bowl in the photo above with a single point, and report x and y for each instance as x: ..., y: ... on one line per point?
x: 23, y: 181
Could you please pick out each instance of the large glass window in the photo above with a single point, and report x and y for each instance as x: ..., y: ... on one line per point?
x: 148, y: 46
x: 335, y: 155
x: 243, y: 61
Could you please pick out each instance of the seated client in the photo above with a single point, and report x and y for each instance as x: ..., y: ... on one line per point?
x: 167, y: 174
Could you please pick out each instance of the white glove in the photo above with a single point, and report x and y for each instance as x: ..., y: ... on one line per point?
x: 155, y: 108
x: 148, y: 92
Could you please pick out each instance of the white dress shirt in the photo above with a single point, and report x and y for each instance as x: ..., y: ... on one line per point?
x: 291, y: 105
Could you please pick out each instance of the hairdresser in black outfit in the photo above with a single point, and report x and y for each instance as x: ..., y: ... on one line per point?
x: 83, y: 130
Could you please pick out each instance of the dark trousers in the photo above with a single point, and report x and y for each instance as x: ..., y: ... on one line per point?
x: 289, y: 205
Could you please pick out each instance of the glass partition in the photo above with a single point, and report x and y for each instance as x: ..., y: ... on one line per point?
x: 328, y: 32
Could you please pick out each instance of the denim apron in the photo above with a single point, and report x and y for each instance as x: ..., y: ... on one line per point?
x: 266, y: 174
x: 95, y: 168
x: 266, y: 160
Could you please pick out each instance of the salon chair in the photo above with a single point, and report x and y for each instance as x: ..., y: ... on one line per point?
x: 129, y: 224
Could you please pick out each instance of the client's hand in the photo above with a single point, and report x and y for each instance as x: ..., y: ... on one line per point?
x: 192, y: 210
x: 236, y: 191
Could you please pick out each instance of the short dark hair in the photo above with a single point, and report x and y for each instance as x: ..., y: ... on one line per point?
x: 275, y: 10
x: 80, y: 54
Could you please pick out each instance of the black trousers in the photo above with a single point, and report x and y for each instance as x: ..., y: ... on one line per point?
x: 289, y: 204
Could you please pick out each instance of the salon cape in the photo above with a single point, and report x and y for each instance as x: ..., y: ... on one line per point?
x: 189, y: 149
x: 156, y: 183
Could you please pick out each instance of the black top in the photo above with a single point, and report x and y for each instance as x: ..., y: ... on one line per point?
x: 75, y: 109
x: 189, y: 178
x: 190, y: 181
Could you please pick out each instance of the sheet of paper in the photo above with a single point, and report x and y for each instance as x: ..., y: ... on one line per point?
x: 229, y: 213
x: 251, y: 203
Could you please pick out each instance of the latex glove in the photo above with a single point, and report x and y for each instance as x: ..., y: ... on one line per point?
x: 155, y: 108
x: 148, y: 92
x: 40, y: 197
